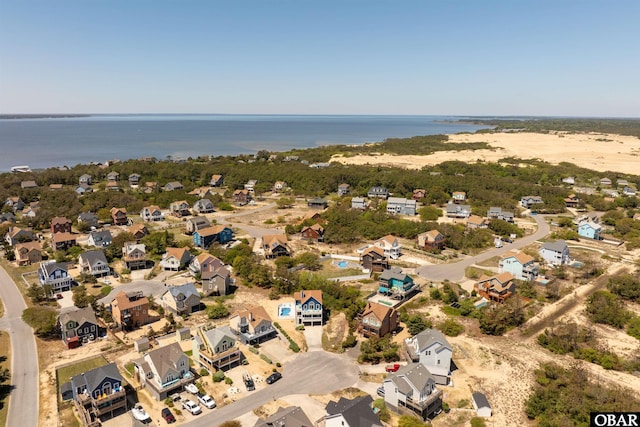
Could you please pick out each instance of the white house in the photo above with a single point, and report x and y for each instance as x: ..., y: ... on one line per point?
x: 431, y: 348
x: 390, y: 245
x: 413, y: 388
x: 555, y: 253
x: 481, y: 404
x: 519, y: 264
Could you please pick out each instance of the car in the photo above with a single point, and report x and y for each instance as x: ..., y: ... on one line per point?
x: 206, y: 400
x: 59, y: 296
x: 380, y: 391
x: 248, y: 382
x: 191, y: 406
x: 191, y: 388
x: 274, y: 377
x: 507, y: 240
x: 168, y: 416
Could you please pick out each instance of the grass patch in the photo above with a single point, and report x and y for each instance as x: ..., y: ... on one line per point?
x: 64, y: 374
x: 475, y: 273
x: 106, y: 290
x: 189, y: 353
x: 491, y: 262
x: 129, y: 367
x: 343, y: 272
x: 5, y: 358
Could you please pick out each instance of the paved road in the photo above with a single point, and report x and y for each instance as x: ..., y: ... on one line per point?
x: 24, y: 397
x: 300, y: 376
x: 455, y: 271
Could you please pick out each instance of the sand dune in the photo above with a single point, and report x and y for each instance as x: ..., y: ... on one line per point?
x: 601, y: 152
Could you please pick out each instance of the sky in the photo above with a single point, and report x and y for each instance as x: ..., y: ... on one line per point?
x: 423, y: 57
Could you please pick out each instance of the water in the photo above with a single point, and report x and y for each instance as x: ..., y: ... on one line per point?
x: 42, y: 143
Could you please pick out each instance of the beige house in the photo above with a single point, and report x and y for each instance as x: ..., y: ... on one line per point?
x: 216, y: 348
x: 28, y: 253
x: 175, y: 259
x: 252, y: 326
x: 183, y: 299
x: 163, y: 371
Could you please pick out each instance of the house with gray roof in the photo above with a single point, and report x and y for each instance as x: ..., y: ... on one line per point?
x: 357, y: 412
x: 182, y: 299
x: 85, y: 179
x: 203, y: 206
x: 99, y: 238
x: 196, y: 223
x: 458, y: 211
x: 378, y: 191
x: 55, y: 276
x: 163, y: 371
x: 78, y: 326
x: 359, y: 203
x: 555, y: 253
x: 293, y: 416
x: 401, y: 206
x: 216, y: 281
x: 481, y: 404
x: 94, y: 262
x: 89, y: 218
x: 431, y: 348
x: 216, y: 348
x: 412, y: 390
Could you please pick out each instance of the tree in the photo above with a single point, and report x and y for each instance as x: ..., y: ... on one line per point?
x: 37, y: 293
x: 43, y: 320
x: 416, y: 324
x: 309, y: 260
x: 607, y: 308
x: 451, y: 328
x: 81, y: 298
x: 429, y: 213
x: 625, y: 286
x: 217, y: 311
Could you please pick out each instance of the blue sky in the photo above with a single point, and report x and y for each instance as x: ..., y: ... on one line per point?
x: 571, y: 58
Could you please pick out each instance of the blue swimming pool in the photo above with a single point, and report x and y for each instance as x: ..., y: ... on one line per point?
x: 285, y: 311
x: 342, y: 264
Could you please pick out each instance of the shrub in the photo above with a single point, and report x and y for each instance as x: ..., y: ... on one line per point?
x: 451, y: 328
x: 217, y: 376
x: 253, y: 350
x: 350, y: 341
x: 228, y: 381
x: 266, y: 359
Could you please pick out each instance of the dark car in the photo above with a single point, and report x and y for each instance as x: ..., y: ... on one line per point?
x: 274, y: 377
x: 168, y: 416
x: 248, y: 382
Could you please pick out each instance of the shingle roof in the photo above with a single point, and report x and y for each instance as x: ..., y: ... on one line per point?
x: 50, y: 267
x: 357, y: 412
x: 91, y: 257
x: 415, y: 374
x: 520, y: 256
x: 557, y: 246
x: 480, y: 399
x: 80, y: 316
x: 187, y: 289
x: 292, y: 416
x: 92, y: 379
x: 304, y: 296
x: 428, y: 337
x: 165, y: 358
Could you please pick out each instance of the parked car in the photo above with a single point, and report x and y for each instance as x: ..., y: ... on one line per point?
x: 248, y: 382
x: 168, y: 415
x: 191, y: 388
x: 380, y: 391
x: 206, y: 400
x: 59, y: 296
x: 274, y: 377
x: 392, y: 368
x: 191, y: 406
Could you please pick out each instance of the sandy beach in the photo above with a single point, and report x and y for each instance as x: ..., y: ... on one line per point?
x: 600, y: 152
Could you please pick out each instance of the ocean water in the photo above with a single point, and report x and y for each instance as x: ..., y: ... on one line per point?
x: 50, y: 142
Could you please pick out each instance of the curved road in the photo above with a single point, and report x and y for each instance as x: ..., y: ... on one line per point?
x: 24, y: 396
x: 455, y: 271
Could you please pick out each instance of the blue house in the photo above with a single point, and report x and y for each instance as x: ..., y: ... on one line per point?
x: 395, y: 283
x: 205, y: 237
x: 590, y: 230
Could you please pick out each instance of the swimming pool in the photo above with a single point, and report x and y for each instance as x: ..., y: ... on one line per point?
x: 285, y: 311
x: 342, y: 264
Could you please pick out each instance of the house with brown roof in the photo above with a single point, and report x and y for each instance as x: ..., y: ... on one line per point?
x: 119, y: 216
x: 60, y: 224
x: 496, y: 288
x: 151, y: 213
x: 475, y: 221
x: 204, y: 262
x: 63, y: 241
x: 201, y: 192
x: 571, y: 201
x: 252, y: 326
x: 459, y: 197
x: 275, y: 245
x: 28, y: 184
x: 207, y: 236
x: 113, y: 186
x: 313, y: 232
x: 241, y: 197
x: 163, y: 371
x: 373, y: 259
x: 180, y: 208
x: 390, y: 245
x: 519, y: 264
x: 130, y: 310
x: 431, y: 240
x: 279, y: 186
x: 15, y: 203
x: 55, y: 186
x: 138, y: 230
x: 378, y: 320
x: 17, y: 235
x: 28, y: 253
x: 419, y: 194
x: 216, y: 348
x: 216, y: 181
x: 309, y: 310
x: 175, y: 259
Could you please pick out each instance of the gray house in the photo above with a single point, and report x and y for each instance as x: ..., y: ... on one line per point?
x: 359, y: 203
x: 378, y: 191
x: 78, y: 326
x: 183, y: 299
x: 203, y: 206
x: 94, y: 262
x: 164, y: 371
x: 555, y: 253
x: 458, y: 211
x: 99, y: 239
x: 412, y: 390
x: 196, y: 223
x: 400, y: 205
x: 216, y: 281
x: 431, y: 348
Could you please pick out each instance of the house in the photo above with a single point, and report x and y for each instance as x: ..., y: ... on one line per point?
x: 458, y: 197
x: 555, y: 253
x: 293, y: 416
x: 569, y: 180
x: 309, y: 310
x: 99, y: 239
x: 250, y: 186
x: 400, y: 205
x: 150, y: 187
x: 241, y: 197
x: 15, y: 203
x: 175, y: 259
x: 590, y: 230
x: 378, y: 320
x: 571, y: 201
x: 458, y: 211
x: 312, y: 215
x: 378, y: 191
x: 412, y: 390
x: 182, y: 299
x: 475, y: 221
x: 82, y: 188
x: 63, y: 241
x: 29, y: 184
x: 519, y: 264
x: 7, y: 218
x: 203, y: 206
x: 204, y: 262
x: 55, y: 186
x: 134, y: 256
x: 130, y: 310
x: 201, y: 192
x: 313, y: 232
x: 173, y: 186
x: 138, y: 230
x: 151, y: 213
x: 55, y: 276
x: 396, y: 284
x: 359, y: 203
x: 279, y: 186
x: 628, y: 191
x: 17, y: 235
x: 622, y: 183
x: 113, y: 186
x: 275, y: 245
x: 163, y: 371
x: 252, y: 326
x: 419, y: 194
x: 98, y: 394
x: 373, y: 259
x: 431, y: 240
x: 78, y: 326
x: 134, y: 180
x: 390, y: 245
x: 119, y: 216
x: 343, y: 189
x: 32, y: 210
x: 27, y: 253
x: 498, y: 213
x: 196, y: 223
x: 320, y: 165
x: 291, y: 158
x: 216, y: 281
x: 216, y: 349
x: 605, y: 181
x: 85, y: 179
x: 431, y: 348
x: 481, y: 404
x: 94, y: 262
x: 317, y: 203
x: 205, y: 237
x: 88, y: 218
x: 496, y: 288
x: 179, y: 208
x: 528, y: 201
x: 216, y: 181
x: 60, y: 224
x: 113, y: 176
x: 356, y: 412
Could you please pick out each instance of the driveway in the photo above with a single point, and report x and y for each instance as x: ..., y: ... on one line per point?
x: 148, y: 287
x: 24, y: 396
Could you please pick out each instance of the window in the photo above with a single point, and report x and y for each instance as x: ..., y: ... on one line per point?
x: 428, y: 352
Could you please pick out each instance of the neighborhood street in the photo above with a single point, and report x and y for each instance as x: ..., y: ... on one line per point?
x: 455, y: 271
x: 24, y: 397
